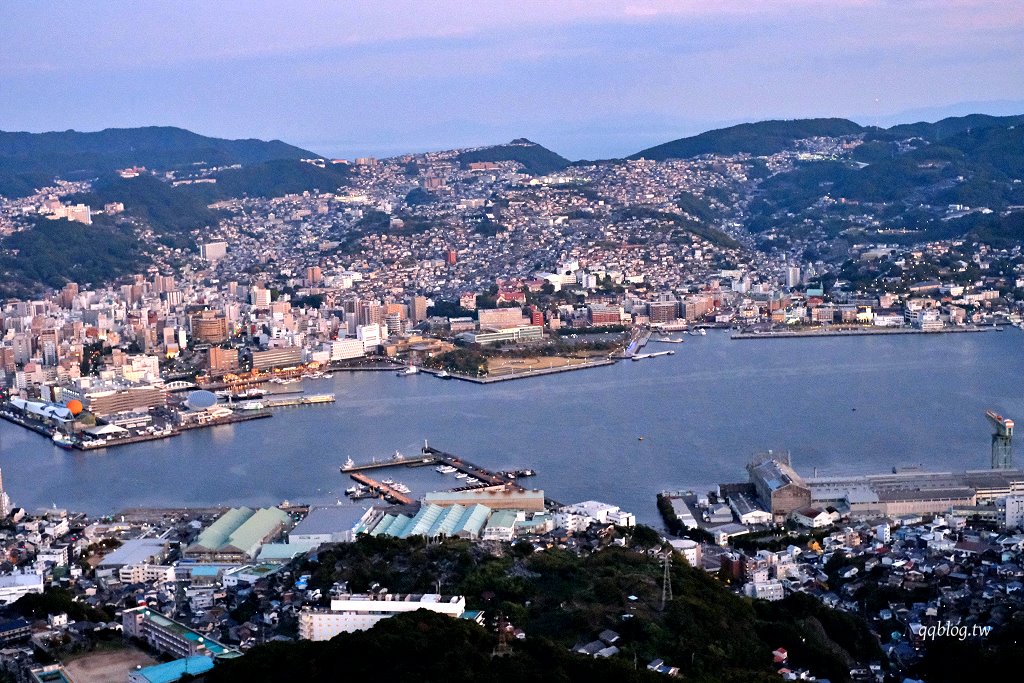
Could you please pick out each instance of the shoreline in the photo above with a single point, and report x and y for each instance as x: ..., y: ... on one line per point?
x: 525, y: 375
x: 786, y: 334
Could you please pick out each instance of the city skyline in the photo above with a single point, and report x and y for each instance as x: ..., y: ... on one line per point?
x: 588, y: 80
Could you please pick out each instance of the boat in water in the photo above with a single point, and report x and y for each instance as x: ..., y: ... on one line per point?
x: 443, y: 375
x: 63, y: 441
x: 349, y: 463
x: 411, y: 370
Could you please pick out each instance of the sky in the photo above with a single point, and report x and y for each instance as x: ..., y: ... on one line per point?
x: 588, y: 79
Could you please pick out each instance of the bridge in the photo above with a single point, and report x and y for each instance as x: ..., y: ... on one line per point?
x: 180, y: 385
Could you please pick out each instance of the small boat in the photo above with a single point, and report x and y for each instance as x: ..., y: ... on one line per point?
x: 329, y: 375
x: 349, y: 464
x: 639, y: 438
x: 443, y: 375
x: 63, y: 441
x: 461, y: 475
x: 411, y: 370
x: 703, y: 332
x: 388, y: 482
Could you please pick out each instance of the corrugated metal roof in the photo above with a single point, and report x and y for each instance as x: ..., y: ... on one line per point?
x: 256, y: 528
x: 216, y: 535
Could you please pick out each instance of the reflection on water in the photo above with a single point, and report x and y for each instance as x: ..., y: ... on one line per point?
x: 838, y: 404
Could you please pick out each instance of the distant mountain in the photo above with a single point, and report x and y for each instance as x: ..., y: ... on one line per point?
x: 946, y: 128
x: 25, y: 158
x: 762, y: 138
x: 536, y: 159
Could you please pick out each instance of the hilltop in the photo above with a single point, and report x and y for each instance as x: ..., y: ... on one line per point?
x: 759, y: 139
x: 536, y: 159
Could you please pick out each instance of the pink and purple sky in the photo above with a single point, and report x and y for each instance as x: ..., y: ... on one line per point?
x: 587, y: 79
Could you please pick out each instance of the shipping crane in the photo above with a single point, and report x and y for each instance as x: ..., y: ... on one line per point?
x: 1002, y: 440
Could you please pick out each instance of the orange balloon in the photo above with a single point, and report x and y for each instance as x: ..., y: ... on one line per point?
x: 75, y: 406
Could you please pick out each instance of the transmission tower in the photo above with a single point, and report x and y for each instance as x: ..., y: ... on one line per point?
x: 666, y: 579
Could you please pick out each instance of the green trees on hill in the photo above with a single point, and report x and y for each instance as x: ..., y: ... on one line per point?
x: 536, y: 159
x: 559, y: 598
x: 59, y: 251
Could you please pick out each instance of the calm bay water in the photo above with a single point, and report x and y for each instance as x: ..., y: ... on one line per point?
x: 839, y: 404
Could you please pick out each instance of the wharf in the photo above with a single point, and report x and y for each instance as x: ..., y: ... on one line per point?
x: 123, y: 441
x: 857, y: 332
x: 382, y: 488
x: 637, y: 341
x: 483, y: 474
x: 296, y: 400
x: 231, y: 419
x: 433, y: 456
x: 529, y: 373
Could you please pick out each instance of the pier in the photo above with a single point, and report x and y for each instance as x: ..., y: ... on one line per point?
x: 433, y: 456
x: 382, y: 489
x: 483, y: 474
x: 315, y: 399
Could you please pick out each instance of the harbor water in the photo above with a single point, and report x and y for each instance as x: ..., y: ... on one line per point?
x: 838, y: 405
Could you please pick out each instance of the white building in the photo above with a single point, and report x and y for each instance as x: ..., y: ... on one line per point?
x: 602, y: 513
x: 688, y: 549
x: 1014, y: 511
x: 370, y: 336
x: 765, y: 590
x: 13, y: 586
x: 350, y: 613
x: 343, y: 349
x: 145, y: 573
x: 211, y: 251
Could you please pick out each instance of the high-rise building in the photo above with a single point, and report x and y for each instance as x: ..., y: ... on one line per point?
x: 259, y: 296
x: 209, y: 326
x: 417, y: 309
x: 792, y: 277
x: 314, y: 275
x: 212, y: 251
x: 663, y: 311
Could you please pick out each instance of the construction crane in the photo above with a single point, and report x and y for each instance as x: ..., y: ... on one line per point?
x: 1002, y: 440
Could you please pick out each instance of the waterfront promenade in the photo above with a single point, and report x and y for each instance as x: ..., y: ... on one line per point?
x: 853, y: 332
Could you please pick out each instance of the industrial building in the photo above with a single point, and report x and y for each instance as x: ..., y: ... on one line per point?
x: 494, y: 497
x: 914, y: 492
x: 350, y: 613
x: 237, y: 535
x: 330, y: 524
x: 780, y: 489
x: 434, y: 521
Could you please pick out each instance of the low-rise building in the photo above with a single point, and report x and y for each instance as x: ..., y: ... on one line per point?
x: 358, y: 612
